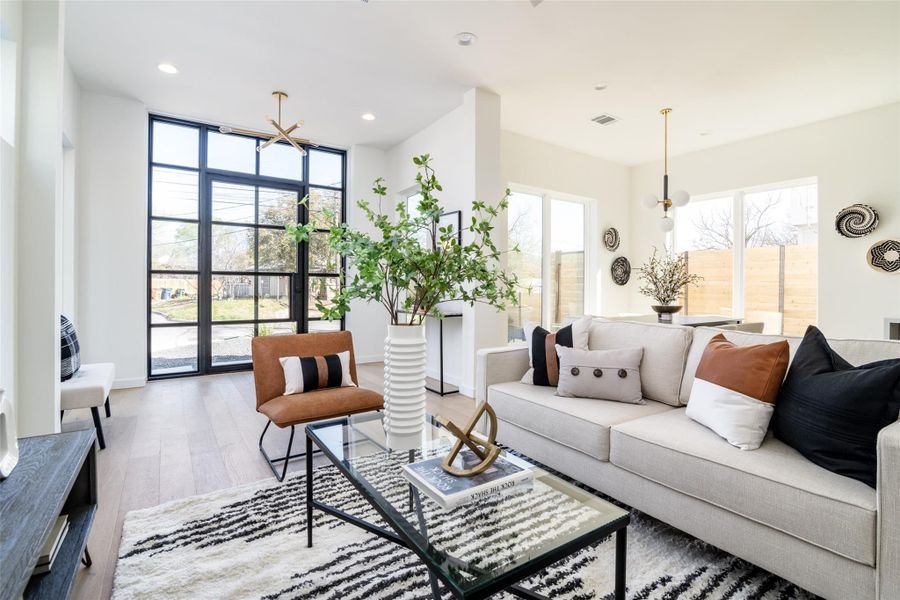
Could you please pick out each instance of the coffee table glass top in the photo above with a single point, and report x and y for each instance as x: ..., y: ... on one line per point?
x: 474, y: 545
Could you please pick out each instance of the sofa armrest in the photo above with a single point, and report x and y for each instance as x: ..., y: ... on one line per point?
x: 497, y: 365
x: 888, y: 488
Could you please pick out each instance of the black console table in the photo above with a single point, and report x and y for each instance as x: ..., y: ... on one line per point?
x: 439, y: 386
x: 56, y: 475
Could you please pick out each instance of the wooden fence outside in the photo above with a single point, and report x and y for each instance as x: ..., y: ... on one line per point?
x: 779, y: 286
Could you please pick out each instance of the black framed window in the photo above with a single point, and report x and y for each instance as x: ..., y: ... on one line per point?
x: 220, y: 269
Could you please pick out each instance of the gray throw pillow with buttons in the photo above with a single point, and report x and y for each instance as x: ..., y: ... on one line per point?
x: 602, y: 374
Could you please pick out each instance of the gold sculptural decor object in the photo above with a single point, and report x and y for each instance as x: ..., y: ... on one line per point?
x: 483, y: 447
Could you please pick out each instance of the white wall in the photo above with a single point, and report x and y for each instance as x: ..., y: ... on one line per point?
x: 367, y: 321
x: 112, y: 235
x: 464, y: 146
x: 856, y: 158
x: 533, y: 163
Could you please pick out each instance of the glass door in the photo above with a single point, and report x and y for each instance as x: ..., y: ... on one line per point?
x: 220, y: 268
x: 251, y: 279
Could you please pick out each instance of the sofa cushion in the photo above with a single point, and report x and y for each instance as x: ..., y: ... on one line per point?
x: 854, y: 351
x: 773, y: 485
x: 579, y: 423
x: 665, y: 350
x: 316, y: 405
x: 860, y: 352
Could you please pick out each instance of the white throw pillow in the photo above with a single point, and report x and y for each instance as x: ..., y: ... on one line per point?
x: 735, y: 389
x: 308, y: 373
x: 602, y: 374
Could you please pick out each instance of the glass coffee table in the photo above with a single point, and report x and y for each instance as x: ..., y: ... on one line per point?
x: 477, y: 549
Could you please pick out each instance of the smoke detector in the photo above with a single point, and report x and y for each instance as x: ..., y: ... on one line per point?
x: 605, y: 119
x: 465, y: 38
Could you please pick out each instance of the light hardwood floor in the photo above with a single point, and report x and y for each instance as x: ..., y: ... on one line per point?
x: 181, y: 437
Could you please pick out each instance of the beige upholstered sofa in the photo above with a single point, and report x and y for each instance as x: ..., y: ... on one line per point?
x: 829, y: 534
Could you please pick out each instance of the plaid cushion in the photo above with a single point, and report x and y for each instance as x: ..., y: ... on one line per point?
x: 69, y: 349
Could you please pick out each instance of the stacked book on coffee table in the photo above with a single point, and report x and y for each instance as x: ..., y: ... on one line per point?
x: 506, y: 474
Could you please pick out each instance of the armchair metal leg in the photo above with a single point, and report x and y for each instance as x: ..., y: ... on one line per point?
x: 106, y: 404
x: 285, y: 459
x: 96, y: 415
x: 288, y: 456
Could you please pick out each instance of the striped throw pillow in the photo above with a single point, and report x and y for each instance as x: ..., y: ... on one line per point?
x: 542, y: 356
x: 735, y: 389
x: 308, y: 373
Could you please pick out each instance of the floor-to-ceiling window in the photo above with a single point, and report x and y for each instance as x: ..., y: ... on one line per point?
x: 756, y: 250
x: 549, y: 233
x: 221, y: 269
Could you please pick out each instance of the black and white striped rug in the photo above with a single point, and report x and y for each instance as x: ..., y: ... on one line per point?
x: 250, y: 542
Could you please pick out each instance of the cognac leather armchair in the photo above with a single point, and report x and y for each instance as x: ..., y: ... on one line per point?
x: 316, y: 405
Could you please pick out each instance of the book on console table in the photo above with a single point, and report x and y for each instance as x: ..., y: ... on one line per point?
x: 449, y: 491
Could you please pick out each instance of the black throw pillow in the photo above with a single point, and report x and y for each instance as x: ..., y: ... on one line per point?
x: 831, y: 412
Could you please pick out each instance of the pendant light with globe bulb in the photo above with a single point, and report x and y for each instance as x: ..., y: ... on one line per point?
x: 679, y: 197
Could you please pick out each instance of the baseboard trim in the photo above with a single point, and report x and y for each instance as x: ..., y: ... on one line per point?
x: 134, y: 382
x: 369, y: 358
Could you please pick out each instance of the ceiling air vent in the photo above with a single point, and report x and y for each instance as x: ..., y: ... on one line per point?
x: 605, y: 119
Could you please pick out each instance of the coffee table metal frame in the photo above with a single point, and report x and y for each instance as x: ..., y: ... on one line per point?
x: 406, y: 536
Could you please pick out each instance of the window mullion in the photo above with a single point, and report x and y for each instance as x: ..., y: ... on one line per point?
x: 590, y: 251
x: 546, y: 261
x: 737, y: 265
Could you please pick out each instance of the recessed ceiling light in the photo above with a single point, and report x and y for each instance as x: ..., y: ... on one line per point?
x: 368, y: 117
x: 167, y: 68
x: 465, y: 38
x: 705, y: 133
x: 601, y: 86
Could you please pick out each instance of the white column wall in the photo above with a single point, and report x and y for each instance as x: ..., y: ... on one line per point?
x: 367, y: 321
x: 465, y: 149
x: 10, y: 67
x: 68, y: 249
x: 38, y: 219
x: 489, y: 324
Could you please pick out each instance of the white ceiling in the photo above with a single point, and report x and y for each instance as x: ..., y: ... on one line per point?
x: 734, y: 70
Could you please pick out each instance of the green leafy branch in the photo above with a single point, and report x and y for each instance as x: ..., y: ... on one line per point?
x: 406, y: 276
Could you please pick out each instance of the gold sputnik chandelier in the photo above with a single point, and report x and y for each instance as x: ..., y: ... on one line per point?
x: 282, y: 133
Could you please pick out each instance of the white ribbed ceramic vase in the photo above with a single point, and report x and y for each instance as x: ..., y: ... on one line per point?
x: 404, y: 379
x: 9, y: 443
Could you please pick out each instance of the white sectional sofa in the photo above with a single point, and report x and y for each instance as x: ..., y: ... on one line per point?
x: 829, y: 534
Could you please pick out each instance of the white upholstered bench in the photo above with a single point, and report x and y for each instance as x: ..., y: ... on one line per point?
x: 89, y: 388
